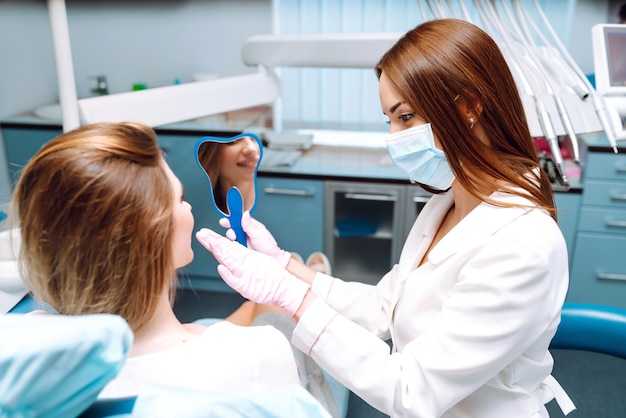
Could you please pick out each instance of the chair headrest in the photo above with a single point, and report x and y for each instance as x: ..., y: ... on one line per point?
x: 55, y: 365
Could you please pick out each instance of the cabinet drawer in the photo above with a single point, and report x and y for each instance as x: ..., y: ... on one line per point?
x: 293, y: 211
x: 605, y: 193
x: 599, y: 272
x: 603, y: 220
x: 606, y: 166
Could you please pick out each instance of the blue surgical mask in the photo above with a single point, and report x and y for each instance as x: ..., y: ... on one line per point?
x: 413, y: 151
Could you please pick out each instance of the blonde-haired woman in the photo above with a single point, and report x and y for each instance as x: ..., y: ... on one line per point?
x: 104, y: 227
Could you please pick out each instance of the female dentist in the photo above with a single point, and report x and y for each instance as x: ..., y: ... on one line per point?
x: 476, y: 297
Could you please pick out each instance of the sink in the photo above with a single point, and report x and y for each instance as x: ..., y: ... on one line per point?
x: 50, y: 111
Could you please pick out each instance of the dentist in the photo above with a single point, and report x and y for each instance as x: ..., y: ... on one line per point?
x: 476, y: 297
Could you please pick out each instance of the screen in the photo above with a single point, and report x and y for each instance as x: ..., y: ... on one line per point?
x: 616, y: 56
x: 609, y: 58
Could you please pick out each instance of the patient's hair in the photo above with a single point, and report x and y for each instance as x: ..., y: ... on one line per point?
x: 95, y: 211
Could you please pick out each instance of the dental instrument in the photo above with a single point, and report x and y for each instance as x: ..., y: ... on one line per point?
x: 598, y: 101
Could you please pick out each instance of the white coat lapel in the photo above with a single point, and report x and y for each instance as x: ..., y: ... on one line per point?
x: 423, y: 231
x: 479, y: 224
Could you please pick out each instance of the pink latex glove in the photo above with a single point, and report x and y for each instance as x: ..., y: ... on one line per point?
x: 255, y: 275
x: 259, y: 238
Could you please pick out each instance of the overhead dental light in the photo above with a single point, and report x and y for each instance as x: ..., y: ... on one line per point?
x: 163, y: 105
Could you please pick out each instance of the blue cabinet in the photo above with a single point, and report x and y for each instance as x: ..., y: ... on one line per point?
x: 568, y: 205
x: 293, y: 211
x: 22, y: 143
x: 598, y: 273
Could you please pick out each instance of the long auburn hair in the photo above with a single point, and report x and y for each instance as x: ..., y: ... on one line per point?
x: 95, y: 210
x: 442, y: 62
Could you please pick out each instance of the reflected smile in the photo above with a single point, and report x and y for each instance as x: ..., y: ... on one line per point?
x: 248, y: 163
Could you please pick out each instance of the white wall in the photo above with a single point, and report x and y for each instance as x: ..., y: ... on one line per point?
x: 127, y: 41
x: 131, y: 42
x: 587, y: 14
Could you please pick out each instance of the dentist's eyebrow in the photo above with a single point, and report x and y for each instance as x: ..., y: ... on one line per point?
x: 394, y: 107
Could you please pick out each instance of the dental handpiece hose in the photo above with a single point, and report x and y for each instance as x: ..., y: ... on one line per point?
x: 569, y: 128
x: 548, y: 131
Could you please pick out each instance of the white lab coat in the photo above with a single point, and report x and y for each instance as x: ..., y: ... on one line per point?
x: 470, y: 327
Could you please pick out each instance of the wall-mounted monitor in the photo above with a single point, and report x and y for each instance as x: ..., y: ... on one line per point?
x: 609, y: 59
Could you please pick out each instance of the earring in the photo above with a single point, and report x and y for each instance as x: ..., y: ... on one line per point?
x: 472, y: 121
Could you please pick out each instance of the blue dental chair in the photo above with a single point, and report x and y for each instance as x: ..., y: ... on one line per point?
x: 588, y: 350
x: 109, y: 408
x: 55, y: 366
x: 595, y: 328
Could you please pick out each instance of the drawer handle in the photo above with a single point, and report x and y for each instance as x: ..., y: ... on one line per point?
x: 615, y: 224
x: 610, y: 276
x: 288, y: 192
x: 377, y: 197
x: 618, y: 196
x: 621, y: 169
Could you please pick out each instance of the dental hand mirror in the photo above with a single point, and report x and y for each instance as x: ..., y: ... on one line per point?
x: 230, y: 166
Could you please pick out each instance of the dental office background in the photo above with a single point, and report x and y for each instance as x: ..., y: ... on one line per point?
x: 158, y: 43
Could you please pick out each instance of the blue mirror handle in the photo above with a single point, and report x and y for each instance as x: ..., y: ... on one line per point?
x: 234, y: 200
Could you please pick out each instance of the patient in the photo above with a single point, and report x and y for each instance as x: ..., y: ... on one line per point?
x: 104, y: 227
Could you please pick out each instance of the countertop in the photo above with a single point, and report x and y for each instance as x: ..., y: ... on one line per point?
x: 347, y: 163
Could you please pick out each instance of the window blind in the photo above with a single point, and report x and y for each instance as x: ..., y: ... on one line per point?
x: 347, y: 98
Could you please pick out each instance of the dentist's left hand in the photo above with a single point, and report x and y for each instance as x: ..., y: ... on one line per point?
x: 254, y: 275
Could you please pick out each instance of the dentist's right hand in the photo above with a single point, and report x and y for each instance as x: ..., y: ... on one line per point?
x: 254, y: 275
x: 259, y: 238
